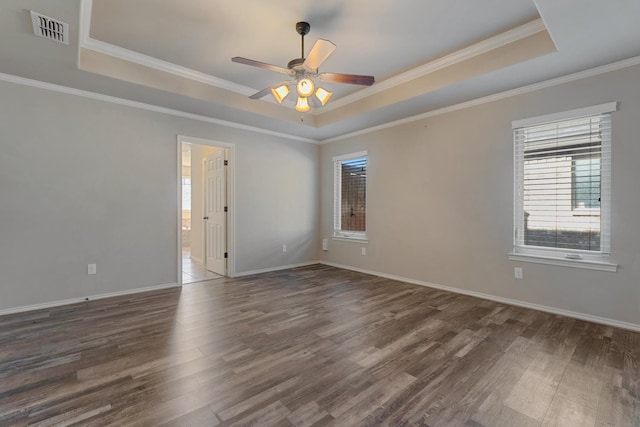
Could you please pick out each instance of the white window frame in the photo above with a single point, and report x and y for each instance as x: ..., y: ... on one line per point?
x: 338, y: 233
x: 558, y: 256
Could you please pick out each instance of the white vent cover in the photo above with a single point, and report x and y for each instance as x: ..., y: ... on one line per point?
x: 49, y: 28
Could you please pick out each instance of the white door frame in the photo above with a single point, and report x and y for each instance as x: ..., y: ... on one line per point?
x: 231, y: 200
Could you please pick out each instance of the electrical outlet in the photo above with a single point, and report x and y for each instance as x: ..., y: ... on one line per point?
x: 325, y: 244
x: 91, y: 269
x: 364, y: 251
x: 284, y: 248
x: 517, y: 272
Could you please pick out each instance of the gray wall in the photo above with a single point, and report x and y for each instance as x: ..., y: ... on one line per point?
x: 89, y: 181
x: 85, y: 181
x: 440, y: 202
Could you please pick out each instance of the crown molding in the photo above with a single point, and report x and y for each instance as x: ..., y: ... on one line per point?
x: 160, y: 65
x: 149, y: 107
x: 86, y: 42
x: 484, y: 46
x: 519, y: 32
x: 614, y: 66
x: 479, y: 48
x: 84, y: 21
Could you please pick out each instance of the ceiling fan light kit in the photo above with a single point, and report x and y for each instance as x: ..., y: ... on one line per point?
x: 323, y: 95
x: 305, y: 87
x: 303, y: 72
x: 280, y: 93
x: 302, y: 105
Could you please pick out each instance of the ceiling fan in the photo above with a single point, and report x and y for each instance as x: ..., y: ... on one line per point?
x: 303, y: 71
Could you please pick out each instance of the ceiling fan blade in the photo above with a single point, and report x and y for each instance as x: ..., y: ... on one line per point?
x: 267, y: 90
x: 262, y: 93
x: 319, y: 52
x: 259, y: 64
x: 352, y: 79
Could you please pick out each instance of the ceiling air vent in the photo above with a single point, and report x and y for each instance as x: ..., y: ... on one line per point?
x: 49, y: 28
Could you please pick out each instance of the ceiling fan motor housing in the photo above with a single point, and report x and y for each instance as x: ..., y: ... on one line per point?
x: 296, y: 64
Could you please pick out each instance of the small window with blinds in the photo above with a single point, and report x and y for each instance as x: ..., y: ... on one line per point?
x: 562, y: 182
x: 350, y: 195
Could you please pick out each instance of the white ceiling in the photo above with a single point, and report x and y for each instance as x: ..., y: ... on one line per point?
x: 425, y: 54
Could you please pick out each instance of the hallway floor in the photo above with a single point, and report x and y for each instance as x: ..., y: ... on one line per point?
x: 194, y: 271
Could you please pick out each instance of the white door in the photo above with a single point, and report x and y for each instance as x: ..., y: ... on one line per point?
x: 215, y: 216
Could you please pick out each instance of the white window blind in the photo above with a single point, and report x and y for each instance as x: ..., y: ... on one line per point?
x: 350, y: 195
x: 563, y: 184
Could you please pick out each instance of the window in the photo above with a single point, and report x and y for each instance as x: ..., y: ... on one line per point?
x: 350, y: 196
x: 562, y: 184
x: 585, y: 182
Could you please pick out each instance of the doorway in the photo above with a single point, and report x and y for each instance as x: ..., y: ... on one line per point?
x: 205, y: 211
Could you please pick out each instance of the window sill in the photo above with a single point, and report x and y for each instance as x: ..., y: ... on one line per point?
x: 561, y: 260
x: 355, y: 239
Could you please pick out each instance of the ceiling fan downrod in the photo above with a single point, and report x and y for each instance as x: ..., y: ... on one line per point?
x: 303, y: 29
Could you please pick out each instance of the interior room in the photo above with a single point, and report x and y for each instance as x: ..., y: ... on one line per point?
x: 319, y: 213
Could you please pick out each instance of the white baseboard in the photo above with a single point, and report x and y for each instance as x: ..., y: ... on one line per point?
x: 83, y: 299
x: 282, y: 267
x: 198, y: 260
x: 553, y: 310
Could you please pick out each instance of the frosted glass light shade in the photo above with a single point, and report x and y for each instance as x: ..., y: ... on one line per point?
x: 280, y: 93
x: 305, y: 87
x: 302, y: 105
x: 323, y: 95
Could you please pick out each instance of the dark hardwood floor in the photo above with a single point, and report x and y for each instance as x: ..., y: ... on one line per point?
x: 313, y: 346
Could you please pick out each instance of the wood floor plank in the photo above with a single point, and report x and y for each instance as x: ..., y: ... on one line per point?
x: 202, y: 417
x: 313, y: 346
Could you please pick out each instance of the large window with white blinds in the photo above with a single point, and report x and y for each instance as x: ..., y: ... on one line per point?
x: 563, y: 182
x: 350, y: 195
